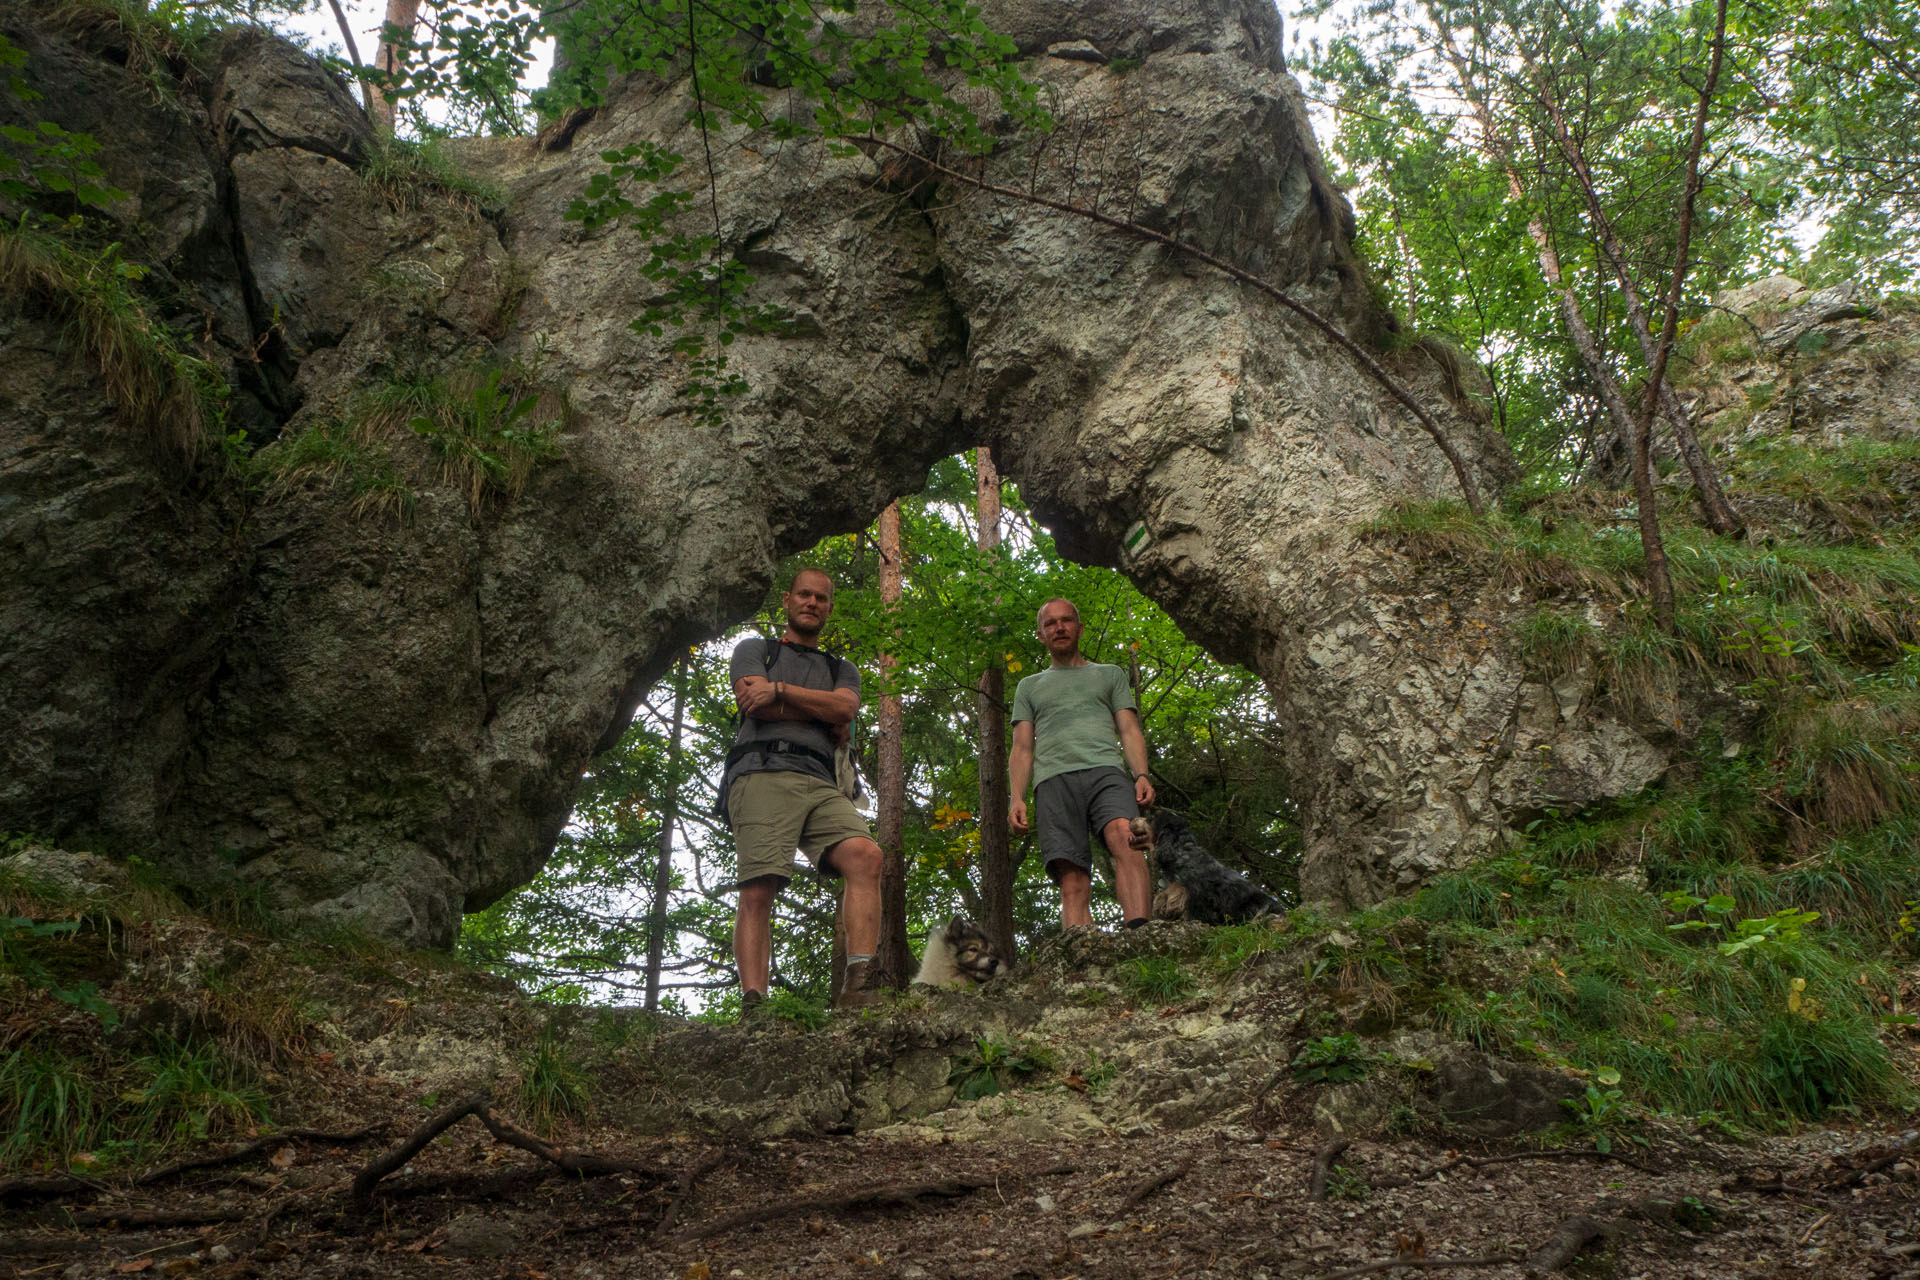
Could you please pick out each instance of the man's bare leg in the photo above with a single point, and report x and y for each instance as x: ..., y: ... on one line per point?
x: 857, y: 860
x: 1131, y: 882
x: 753, y: 932
x: 1076, y: 897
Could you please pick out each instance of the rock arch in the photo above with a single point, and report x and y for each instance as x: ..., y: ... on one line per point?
x: 382, y: 724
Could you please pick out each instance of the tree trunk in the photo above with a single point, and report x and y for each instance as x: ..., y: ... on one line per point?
x: 890, y: 787
x: 1656, y: 377
x: 1720, y: 513
x: 1629, y: 426
x: 353, y: 52
x: 996, y: 846
x: 402, y: 14
x: 669, y: 819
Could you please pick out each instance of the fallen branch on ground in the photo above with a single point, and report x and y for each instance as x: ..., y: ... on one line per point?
x: 1150, y: 1185
x: 1323, y: 1167
x: 1567, y: 1240
x: 240, y: 1155
x: 874, y: 1196
x: 693, y: 1174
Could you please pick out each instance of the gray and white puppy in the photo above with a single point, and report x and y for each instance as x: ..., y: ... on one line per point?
x: 960, y: 952
x: 1198, y: 886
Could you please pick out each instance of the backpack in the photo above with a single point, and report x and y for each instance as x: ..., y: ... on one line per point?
x: 846, y: 777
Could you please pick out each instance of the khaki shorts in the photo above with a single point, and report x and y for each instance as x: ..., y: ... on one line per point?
x: 776, y: 811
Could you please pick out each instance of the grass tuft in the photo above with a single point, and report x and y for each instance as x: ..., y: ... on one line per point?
x: 194, y: 1091
x: 178, y: 400
x: 1556, y: 643
x: 49, y: 1108
x: 406, y: 175
x: 334, y: 452
x: 552, y: 1084
x: 1159, y: 979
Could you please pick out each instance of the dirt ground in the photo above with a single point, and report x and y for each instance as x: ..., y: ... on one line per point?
x: 1226, y: 1202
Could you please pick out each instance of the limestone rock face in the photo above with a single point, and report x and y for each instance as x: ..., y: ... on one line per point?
x: 382, y: 721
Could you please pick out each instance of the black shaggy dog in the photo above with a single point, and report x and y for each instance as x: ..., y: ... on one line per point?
x: 1198, y: 887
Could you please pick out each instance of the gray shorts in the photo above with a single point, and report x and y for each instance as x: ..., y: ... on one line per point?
x: 1070, y: 806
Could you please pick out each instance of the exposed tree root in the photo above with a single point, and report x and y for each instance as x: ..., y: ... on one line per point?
x: 876, y: 1196
x: 1148, y: 1186
x: 130, y: 1217
x: 1421, y: 1264
x: 1323, y: 1167
x: 467, y: 1184
x: 240, y: 1155
x: 1481, y: 1162
x: 586, y: 1164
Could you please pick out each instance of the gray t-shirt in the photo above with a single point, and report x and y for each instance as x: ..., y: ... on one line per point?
x: 794, y: 665
x: 1072, y: 710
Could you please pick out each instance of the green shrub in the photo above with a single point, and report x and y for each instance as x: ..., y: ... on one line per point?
x: 791, y: 1006
x: 995, y: 1065
x: 1333, y: 1059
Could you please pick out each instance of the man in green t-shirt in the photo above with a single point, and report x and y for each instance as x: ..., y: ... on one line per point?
x: 1065, y: 723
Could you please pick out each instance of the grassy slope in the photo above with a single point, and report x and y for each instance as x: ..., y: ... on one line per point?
x: 1666, y: 936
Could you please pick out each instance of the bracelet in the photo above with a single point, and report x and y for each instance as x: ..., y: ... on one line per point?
x: 1138, y: 776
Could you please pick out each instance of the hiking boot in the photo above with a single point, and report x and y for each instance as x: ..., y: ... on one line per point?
x: 753, y: 1008
x: 862, y: 988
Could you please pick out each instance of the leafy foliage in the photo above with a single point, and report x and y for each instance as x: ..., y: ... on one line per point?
x: 996, y: 1065
x: 1333, y: 1059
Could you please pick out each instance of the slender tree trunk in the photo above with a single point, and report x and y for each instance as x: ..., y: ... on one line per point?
x: 996, y: 846
x: 1720, y: 513
x: 402, y: 14
x: 353, y: 51
x: 1630, y: 427
x: 669, y: 819
x: 891, y: 786
x: 1670, y: 327
x: 1407, y: 265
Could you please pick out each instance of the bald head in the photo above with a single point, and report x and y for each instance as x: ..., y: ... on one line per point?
x: 1059, y: 604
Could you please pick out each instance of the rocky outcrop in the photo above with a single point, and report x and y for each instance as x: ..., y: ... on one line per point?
x: 382, y: 723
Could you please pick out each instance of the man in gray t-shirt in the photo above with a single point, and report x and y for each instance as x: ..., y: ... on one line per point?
x: 1076, y: 735
x: 780, y: 792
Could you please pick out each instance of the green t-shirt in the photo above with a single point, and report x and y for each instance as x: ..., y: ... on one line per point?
x: 1072, y: 712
